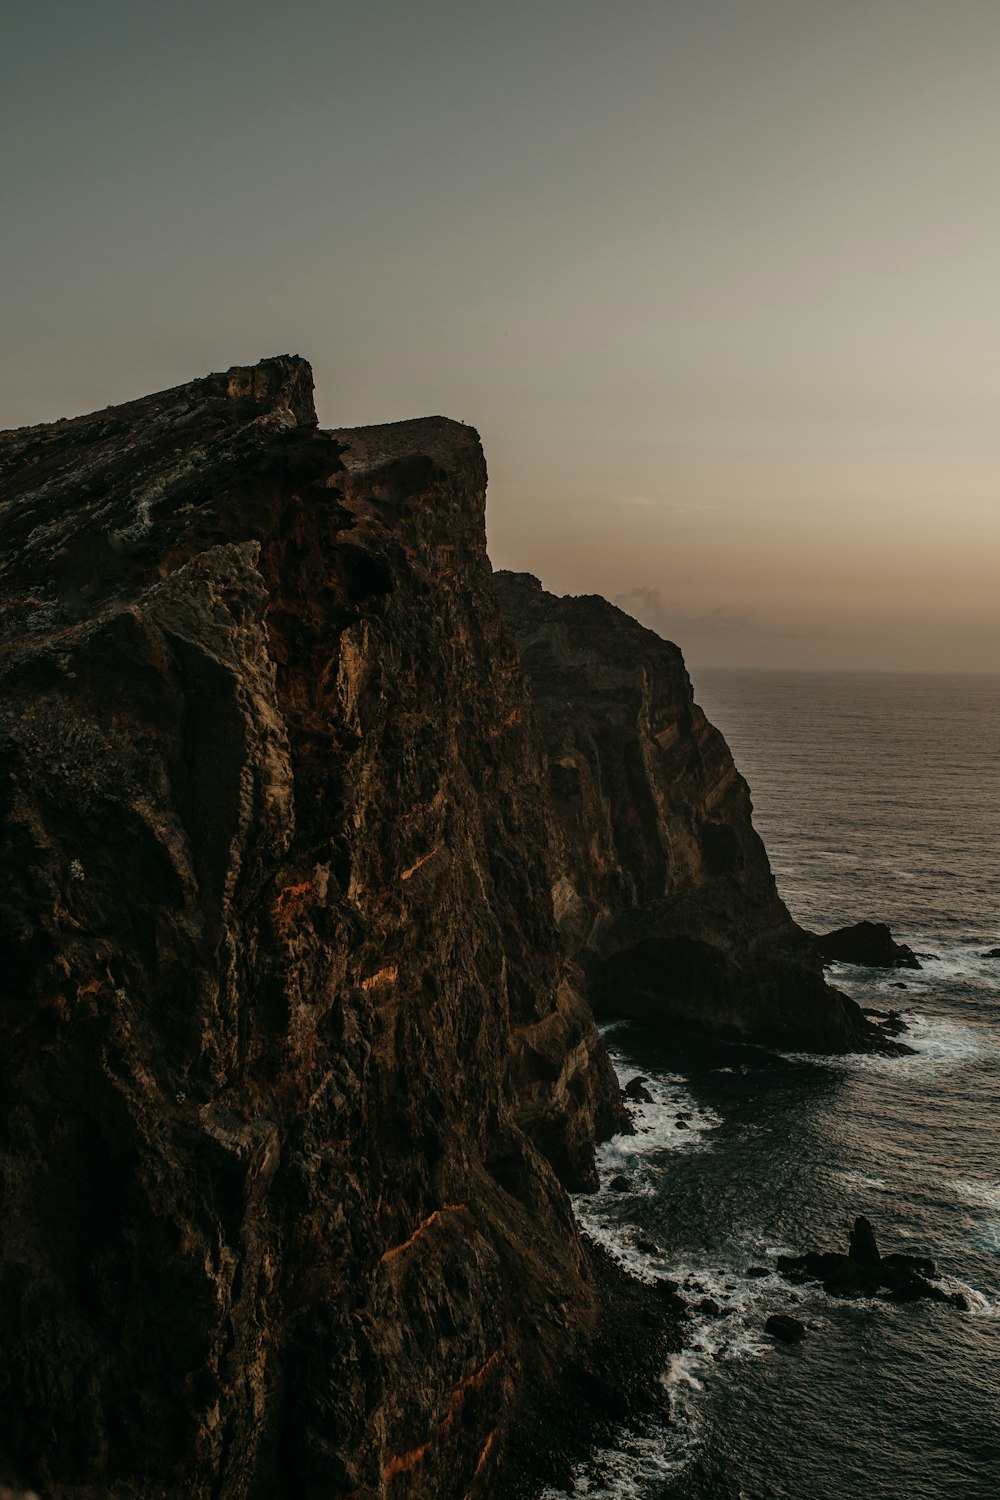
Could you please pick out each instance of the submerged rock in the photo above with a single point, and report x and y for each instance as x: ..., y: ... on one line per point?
x: 890, y: 1022
x: 785, y: 1328
x: 621, y: 1184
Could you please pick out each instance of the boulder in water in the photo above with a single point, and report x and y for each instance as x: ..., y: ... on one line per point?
x: 785, y: 1328
x: 869, y: 944
x: 621, y: 1184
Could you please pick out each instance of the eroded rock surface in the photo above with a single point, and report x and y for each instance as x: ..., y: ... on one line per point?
x: 662, y: 888
x: 865, y: 1272
x: 869, y: 944
x: 289, y: 1056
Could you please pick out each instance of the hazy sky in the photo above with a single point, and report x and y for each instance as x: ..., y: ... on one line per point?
x: 717, y: 280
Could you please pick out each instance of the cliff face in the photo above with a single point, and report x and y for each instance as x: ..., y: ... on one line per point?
x: 289, y: 1060
x: 662, y: 889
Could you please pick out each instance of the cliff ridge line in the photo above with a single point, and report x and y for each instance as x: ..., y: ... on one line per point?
x: 291, y: 1057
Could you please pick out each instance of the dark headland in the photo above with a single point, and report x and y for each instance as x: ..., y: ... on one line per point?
x: 321, y: 849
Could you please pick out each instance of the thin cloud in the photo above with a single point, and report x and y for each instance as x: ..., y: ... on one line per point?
x: 717, y: 625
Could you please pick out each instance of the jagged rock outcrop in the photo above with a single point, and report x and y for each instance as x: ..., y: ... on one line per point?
x: 865, y: 1272
x: 662, y: 888
x: 870, y: 944
x: 288, y: 1051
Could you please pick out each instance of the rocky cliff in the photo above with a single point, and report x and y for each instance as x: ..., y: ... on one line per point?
x: 290, y: 1060
x: 662, y: 888
x: 301, y: 901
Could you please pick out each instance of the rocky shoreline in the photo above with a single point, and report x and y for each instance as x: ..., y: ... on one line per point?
x: 616, y: 1380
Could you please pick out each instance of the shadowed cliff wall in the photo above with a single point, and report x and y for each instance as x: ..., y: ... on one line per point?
x: 289, y: 1060
x: 662, y: 888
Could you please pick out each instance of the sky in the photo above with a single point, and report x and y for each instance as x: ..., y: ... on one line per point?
x: 718, y: 281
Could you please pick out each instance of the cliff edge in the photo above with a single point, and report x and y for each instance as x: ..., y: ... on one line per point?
x: 290, y: 1059
x: 661, y: 886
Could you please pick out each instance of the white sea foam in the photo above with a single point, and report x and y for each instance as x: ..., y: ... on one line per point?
x: 639, y: 1158
x: 640, y: 1464
x: 943, y: 964
x: 979, y: 1305
x: 657, y: 1126
x: 986, y: 1193
x: 937, y: 1044
x: 946, y: 1042
x: 860, y: 1179
x: 636, y: 1470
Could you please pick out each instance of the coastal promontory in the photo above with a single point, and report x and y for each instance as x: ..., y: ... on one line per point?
x: 306, y: 904
x: 662, y: 887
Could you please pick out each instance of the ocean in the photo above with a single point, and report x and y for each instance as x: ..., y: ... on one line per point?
x: 877, y: 796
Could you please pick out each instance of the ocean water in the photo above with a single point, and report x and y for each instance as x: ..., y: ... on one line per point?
x: 877, y: 797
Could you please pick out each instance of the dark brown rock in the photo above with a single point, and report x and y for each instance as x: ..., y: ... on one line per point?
x: 863, y: 1246
x: 863, y: 1272
x: 662, y: 889
x: 869, y: 944
x: 785, y: 1328
x: 621, y: 1184
x: 289, y: 1055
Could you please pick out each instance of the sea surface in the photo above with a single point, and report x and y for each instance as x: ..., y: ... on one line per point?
x: 877, y: 797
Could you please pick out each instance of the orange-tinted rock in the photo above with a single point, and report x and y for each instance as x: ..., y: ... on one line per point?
x: 286, y: 1036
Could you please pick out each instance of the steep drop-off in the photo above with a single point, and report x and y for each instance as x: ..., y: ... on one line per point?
x: 662, y: 888
x: 289, y: 1056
